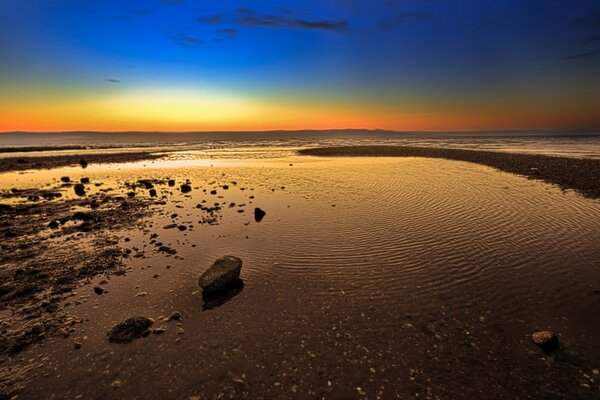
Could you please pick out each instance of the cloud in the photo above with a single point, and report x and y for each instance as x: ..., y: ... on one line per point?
x: 113, y: 80
x: 247, y: 17
x: 592, y: 38
x: 229, y: 33
x: 394, y: 21
x: 130, y: 14
x: 591, y: 21
x: 580, y: 56
x: 186, y: 41
x: 211, y: 19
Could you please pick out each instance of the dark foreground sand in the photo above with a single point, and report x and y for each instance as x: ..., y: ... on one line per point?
x: 48, y: 162
x: 581, y: 175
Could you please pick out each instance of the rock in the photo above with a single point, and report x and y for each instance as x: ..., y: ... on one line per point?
x: 185, y: 188
x: 182, y: 227
x: 77, y: 345
x: 213, y: 192
x: 170, y: 226
x: 225, y: 271
x: 53, y: 224
x: 546, y: 340
x: 79, y: 189
x: 98, y: 290
x: 65, y: 179
x: 171, y: 182
x: 152, y: 192
x: 259, y: 214
x: 82, y: 216
x: 83, y: 163
x: 84, y: 180
x: 175, y: 316
x: 132, y: 328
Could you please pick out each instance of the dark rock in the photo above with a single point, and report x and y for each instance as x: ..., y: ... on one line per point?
x: 223, y: 272
x: 82, y: 216
x: 83, y: 163
x: 171, y: 182
x: 152, y: 192
x: 213, y: 192
x: 182, y: 227
x: 259, y: 214
x: 98, y: 290
x: 131, y: 194
x: 53, y: 224
x: 175, y: 316
x: 132, y: 328
x: 65, y: 179
x: 85, y: 180
x: 546, y: 340
x: 185, y: 188
x: 225, y: 187
x: 79, y: 189
x: 170, y: 226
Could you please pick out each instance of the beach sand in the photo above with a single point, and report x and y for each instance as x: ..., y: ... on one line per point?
x: 367, y: 278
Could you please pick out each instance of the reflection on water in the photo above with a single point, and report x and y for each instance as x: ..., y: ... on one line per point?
x: 215, y: 300
x: 397, y: 276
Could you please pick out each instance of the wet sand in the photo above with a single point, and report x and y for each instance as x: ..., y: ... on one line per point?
x: 48, y: 162
x: 366, y: 279
x: 581, y: 175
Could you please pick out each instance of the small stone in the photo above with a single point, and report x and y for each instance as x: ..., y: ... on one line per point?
x: 77, y: 345
x: 130, y: 329
x: 175, y: 316
x: 53, y: 224
x: 185, y: 188
x: 546, y: 340
x: 98, y: 290
x: 116, y: 384
x: 83, y: 163
x: 152, y: 192
x: 141, y: 294
x: 79, y: 189
x: 85, y: 180
x: 259, y: 214
x: 65, y: 179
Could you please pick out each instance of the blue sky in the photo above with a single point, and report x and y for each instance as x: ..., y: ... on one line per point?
x: 398, y: 55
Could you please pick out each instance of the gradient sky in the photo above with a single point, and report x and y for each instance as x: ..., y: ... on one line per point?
x: 192, y: 65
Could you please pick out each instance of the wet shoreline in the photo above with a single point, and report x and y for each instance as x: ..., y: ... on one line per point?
x: 49, y: 162
x: 581, y: 175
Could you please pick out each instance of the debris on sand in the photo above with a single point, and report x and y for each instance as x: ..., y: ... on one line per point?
x: 259, y: 214
x: 546, y: 340
x: 225, y: 271
x: 132, y: 328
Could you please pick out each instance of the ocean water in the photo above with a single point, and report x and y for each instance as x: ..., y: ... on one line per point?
x: 276, y: 144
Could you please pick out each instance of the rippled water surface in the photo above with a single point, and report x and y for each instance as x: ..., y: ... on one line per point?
x: 368, y: 278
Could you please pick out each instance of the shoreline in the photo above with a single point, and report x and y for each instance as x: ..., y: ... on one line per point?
x: 48, y: 162
x: 580, y: 175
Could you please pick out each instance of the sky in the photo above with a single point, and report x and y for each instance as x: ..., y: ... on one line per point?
x: 210, y: 65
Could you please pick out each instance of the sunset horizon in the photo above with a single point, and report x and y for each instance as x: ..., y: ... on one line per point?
x: 299, y: 199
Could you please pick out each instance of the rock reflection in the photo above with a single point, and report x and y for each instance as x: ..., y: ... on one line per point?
x: 215, y: 300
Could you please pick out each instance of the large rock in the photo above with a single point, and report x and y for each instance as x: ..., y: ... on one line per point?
x: 224, y: 272
x: 132, y: 328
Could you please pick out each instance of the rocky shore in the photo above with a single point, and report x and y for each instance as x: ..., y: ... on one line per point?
x: 581, y: 175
